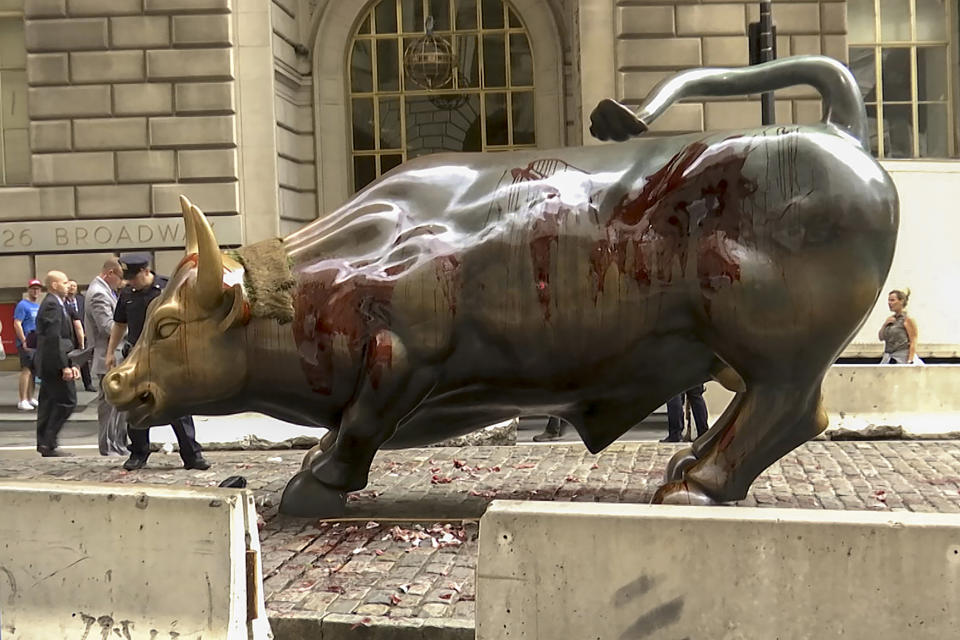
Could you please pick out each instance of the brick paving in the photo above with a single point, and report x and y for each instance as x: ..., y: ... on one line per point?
x: 407, y: 548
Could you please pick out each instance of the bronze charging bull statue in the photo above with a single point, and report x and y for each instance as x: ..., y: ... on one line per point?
x: 587, y: 283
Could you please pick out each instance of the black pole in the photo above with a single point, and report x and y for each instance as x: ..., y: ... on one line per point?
x: 767, y: 105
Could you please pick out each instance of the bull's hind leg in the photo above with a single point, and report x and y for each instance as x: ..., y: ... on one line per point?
x: 767, y: 422
x: 688, y: 456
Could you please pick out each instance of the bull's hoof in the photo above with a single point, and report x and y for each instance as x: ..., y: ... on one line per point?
x: 684, y: 492
x: 306, y: 497
x: 679, y: 463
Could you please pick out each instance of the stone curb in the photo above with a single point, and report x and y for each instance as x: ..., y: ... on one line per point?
x: 336, y: 626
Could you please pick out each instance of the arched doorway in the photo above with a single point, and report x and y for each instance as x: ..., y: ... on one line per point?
x: 340, y: 24
x: 481, y: 98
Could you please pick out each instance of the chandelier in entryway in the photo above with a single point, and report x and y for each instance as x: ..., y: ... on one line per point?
x: 429, y: 61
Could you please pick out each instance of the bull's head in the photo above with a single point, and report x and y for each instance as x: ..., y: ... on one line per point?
x: 190, y: 356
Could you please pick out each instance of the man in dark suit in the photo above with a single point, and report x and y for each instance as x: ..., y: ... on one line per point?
x: 75, y: 305
x: 58, y: 393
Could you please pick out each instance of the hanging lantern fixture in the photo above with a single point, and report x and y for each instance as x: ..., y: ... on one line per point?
x: 429, y: 61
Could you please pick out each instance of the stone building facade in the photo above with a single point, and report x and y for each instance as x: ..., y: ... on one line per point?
x: 250, y: 108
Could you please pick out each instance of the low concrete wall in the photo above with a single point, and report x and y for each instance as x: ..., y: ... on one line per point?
x: 922, y: 400
x: 611, y: 572
x: 81, y: 560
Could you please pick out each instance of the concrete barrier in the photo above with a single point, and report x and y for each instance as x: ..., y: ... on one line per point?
x: 617, y: 572
x: 131, y: 562
x: 921, y: 400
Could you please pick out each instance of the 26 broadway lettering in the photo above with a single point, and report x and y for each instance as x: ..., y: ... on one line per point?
x: 78, y: 237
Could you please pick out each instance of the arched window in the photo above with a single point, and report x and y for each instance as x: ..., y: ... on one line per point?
x: 483, y: 100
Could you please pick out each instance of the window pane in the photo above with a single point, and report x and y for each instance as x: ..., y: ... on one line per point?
x: 863, y: 66
x: 931, y: 20
x: 898, y: 130
x: 386, y: 16
x: 934, y: 134
x: 13, y: 98
x: 896, y: 74
x: 872, y: 123
x: 13, y: 51
x: 361, y: 68
x: 388, y: 162
x: 363, y: 123
x: 894, y: 20
x: 411, y: 12
x: 467, y: 57
x: 388, y: 65
x: 365, y: 25
x: 931, y: 73
x: 496, y: 105
x: 521, y: 62
x: 861, y: 21
x: 16, y: 156
x: 492, y: 11
x: 466, y: 11
x: 390, y: 124
x: 523, y: 126
x: 514, y: 19
x: 494, y: 64
x: 442, y: 123
x: 440, y: 10
x: 364, y: 171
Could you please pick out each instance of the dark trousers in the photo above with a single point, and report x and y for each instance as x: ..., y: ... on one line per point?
x: 57, y: 400
x: 186, y: 438
x: 554, y: 426
x: 675, y: 412
x: 85, y: 376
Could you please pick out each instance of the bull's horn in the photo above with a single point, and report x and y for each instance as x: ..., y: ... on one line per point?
x: 189, y: 229
x: 209, y: 262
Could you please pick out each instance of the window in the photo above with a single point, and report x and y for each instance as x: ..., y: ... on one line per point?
x: 484, y: 104
x: 902, y: 58
x: 14, y: 125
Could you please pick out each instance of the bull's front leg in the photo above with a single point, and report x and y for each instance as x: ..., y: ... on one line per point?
x: 389, y: 390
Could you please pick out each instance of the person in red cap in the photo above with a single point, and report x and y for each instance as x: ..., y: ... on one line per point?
x: 25, y: 326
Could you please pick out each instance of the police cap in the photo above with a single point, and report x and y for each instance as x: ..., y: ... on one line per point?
x: 133, y: 263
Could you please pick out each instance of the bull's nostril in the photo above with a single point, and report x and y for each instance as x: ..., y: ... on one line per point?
x: 113, y: 382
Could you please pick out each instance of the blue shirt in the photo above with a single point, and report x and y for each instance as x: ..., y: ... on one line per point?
x: 26, y: 313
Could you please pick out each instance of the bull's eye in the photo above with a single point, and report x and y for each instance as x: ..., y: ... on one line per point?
x: 166, y: 328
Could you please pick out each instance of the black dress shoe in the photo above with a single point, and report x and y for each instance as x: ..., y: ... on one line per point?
x: 54, y: 453
x: 134, y: 462
x: 669, y: 439
x: 546, y: 436
x: 200, y: 464
x: 234, y: 482
x: 90, y: 389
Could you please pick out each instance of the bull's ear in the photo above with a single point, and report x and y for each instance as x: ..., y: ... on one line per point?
x: 190, y: 231
x: 209, y: 287
x: 239, y: 312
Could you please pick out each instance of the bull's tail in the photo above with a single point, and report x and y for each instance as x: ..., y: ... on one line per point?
x: 842, y: 103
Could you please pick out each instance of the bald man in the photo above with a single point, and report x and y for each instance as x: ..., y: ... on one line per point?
x: 58, y: 392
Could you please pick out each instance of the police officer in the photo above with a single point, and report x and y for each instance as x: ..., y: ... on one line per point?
x: 143, y: 285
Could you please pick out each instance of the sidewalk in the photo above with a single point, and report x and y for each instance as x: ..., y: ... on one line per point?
x: 244, y: 431
x: 404, y: 556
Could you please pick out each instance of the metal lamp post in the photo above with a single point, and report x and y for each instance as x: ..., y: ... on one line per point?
x: 763, y: 48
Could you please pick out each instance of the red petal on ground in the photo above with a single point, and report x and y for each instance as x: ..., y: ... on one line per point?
x: 363, y: 623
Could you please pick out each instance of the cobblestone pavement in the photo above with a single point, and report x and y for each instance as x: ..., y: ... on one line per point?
x: 408, y: 546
